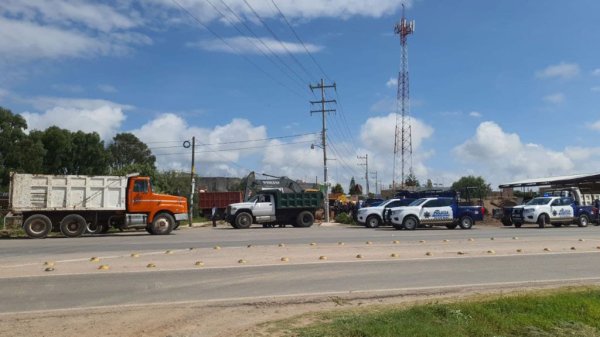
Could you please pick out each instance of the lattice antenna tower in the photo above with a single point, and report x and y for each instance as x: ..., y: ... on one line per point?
x: 403, y: 136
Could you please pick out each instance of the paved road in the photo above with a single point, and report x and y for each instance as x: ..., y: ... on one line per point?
x: 50, y: 291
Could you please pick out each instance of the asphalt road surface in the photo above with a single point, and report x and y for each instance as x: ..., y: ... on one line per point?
x: 574, y: 257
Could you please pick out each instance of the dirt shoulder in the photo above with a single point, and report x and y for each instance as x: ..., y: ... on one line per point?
x: 234, y: 318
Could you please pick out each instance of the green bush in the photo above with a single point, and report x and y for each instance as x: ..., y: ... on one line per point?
x: 344, y: 218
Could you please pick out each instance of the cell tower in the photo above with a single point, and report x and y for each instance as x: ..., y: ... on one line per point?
x: 403, y: 137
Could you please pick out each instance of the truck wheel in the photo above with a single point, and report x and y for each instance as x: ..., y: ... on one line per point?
x: 94, y: 228
x: 105, y: 228
x: 305, y: 219
x: 243, y: 220
x: 410, y: 223
x: 452, y: 226
x: 372, y: 221
x: 163, y: 224
x: 506, y: 222
x: 557, y: 225
x: 584, y: 220
x: 397, y: 227
x: 518, y: 225
x: 542, y: 220
x: 73, y: 225
x: 466, y: 222
x: 37, y: 226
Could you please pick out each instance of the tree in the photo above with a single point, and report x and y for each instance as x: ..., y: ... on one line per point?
x: 352, y: 187
x: 478, y: 188
x: 412, y: 181
x: 429, y: 183
x: 337, y: 189
x: 127, y: 150
x: 58, y: 144
x: 88, y: 155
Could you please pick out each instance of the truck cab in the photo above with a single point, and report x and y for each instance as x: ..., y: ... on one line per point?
x: 555, y: 210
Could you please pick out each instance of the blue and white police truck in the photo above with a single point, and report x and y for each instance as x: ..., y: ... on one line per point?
x: 435, y: 211
x: 554, y: 210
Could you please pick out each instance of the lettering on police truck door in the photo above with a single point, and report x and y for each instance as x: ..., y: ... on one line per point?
x: 436, y: 210
x: 562, y: 209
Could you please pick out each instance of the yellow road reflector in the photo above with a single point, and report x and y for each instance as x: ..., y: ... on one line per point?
x: 421, y: 241
x: 216, y: 247
x: 169, y: 252
x: 519, y: 250
x: 241, y: 261
x: 492, y: 239
x: 393, y: 255
x: 322, y: 257
x: 515, y: 238
x: 49, y: 269
x: 573, y: 248
x: 429, y: 253
x: 49, y: 263
x: 103, y: 267
x: 150, y: 265
x: 491, y: 251
x: 199, y: 264
x: 460, y: 253
x: 446, y: 240
x: 281, y: 245
x: 249, y: 246
x: 581, y: 240
x: 94, y: 259
x: 285, y: 259
x: 395, y: 242
x: 135, y: 255
x: 369, y: 243
x: 471, y: 239
x: 359, y: 256
x: 313, y: 244
x: 340, y: 243
x: 547, y: 250
x: 192, y: 248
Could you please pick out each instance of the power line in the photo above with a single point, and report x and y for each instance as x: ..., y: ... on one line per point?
x: 300, y: 40
x: 233, y: 49
x: 278, y: 39
x: 243, y: 141
x: 237, y: 149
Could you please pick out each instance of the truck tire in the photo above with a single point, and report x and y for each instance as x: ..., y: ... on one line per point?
x: 410, y: 222
x: 304, y: 219
x: 466, y: 222
x: 542, y: 220
x: 94, y: 228
x: 105, y: 228
x: 518, y: 225
x: 506, y: 222
x: 373, y: 221
x: 243, y: 220
x: 162, y: 224
x: 584, y: 220
x: 73, y: 225
x: 37, y: 226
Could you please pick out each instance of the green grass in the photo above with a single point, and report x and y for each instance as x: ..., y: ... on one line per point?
x: 561, y: 313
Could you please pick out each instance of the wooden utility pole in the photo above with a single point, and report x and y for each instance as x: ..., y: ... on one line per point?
x: 323, y: 112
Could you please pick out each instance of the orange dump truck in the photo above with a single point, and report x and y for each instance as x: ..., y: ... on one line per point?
x: 76, y: 204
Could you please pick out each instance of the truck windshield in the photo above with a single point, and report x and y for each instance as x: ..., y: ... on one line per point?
x: 538, y: 201
x: 417, y: 202
x: 253, y: 199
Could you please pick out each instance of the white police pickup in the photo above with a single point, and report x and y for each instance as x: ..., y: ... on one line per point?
x: 435, y: 212
x: 551, y: 210
x: 372, y: 217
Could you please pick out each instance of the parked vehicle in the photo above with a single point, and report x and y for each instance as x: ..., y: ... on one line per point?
x: 374, y: 216
x: 372, y: 202
x: 75, y: 204
x: 436, y: 211
x: 272, y: 207
x: 206, y: 201
x: 557, y: 211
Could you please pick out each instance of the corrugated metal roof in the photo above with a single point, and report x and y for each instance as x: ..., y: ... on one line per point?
x: 575, y: 178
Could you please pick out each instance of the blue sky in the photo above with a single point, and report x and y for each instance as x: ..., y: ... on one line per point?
x: 503, y: 89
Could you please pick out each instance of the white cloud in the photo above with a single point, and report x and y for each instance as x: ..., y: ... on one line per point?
x: 213, y: 157
x: 107, y: 88
x: 595, y: 125
x: 596, y: 72
x: 249, y: 45
x: 595, y: 89
x: 557, y: 98
x: 103, y: 117
x: 562, y: 70
x: 392, y: 83
x: 505, y: 157
x: 475, y: 114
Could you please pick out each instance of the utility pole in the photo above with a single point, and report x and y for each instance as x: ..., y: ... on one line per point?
x: 323, y: 112
x: 366, y: 165
x: 187, y: 144
x: 376, y: 183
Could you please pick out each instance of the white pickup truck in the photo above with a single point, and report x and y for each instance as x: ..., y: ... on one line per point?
x: 373, y: 217
x: 555, y: 210
x: 436, y: 211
